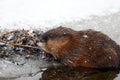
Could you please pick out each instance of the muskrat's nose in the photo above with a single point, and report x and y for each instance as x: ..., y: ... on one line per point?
x: 42, y: 40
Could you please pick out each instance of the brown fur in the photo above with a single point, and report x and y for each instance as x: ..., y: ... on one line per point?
x: 88, y: 48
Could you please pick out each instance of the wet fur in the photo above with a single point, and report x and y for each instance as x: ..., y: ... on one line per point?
x: 94, y: 49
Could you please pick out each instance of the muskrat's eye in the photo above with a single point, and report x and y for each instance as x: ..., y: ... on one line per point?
x: 44, y: 38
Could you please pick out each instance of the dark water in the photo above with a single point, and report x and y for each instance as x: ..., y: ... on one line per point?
x: 65, y: 73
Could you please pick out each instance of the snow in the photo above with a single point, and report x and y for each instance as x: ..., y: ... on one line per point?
x: 90, y: 48
x: 51, y: 12
x: 101, y: 15
x: 109, y: 57
x: 85, y: 36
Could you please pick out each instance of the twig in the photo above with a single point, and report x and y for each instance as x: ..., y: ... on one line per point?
x: 8, y: 33
x: 26, y: 46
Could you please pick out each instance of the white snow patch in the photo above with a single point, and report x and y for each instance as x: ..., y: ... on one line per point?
x: 85, y: 36
x: 85, y: 61
x: 90, y: 48
x: 109, y: 57
x: 64, y: 33
x: 48, y: 13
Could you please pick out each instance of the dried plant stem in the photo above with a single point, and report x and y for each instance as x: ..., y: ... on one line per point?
x: 20, y: 45
x: 8, y: 33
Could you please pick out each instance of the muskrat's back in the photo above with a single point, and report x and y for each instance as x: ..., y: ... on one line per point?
x: 88, y: 48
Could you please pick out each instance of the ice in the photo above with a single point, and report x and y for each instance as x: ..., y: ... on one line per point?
x: 11, y: 70
x: 49, y: 13
x: 36, y: 77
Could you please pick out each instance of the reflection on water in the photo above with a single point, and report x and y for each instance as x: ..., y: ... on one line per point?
x: 66, y: 73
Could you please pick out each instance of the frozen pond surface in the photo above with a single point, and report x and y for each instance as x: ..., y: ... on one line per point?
x: 99, y: 15
x: 108, y: 24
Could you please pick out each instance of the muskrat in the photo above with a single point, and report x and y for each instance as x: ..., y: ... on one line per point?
x: 85, y: 48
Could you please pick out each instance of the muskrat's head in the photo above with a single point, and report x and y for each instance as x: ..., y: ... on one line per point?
x: 59, y: 41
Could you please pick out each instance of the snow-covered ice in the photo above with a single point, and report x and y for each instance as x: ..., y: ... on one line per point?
x: 101, y: 15
x: 48, y: 13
